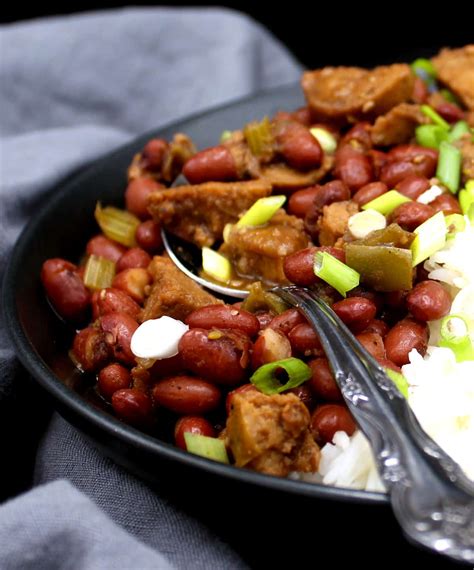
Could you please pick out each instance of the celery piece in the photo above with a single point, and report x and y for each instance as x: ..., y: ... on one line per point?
x: 430, y: 237
x: 98, y: 272
x: 423, y: 65
x: 260, y: 138
x: 216, y: 265
x: 261, y: 211
x: 386, y: 203
x: 208, y: 447
x: 118, y: 225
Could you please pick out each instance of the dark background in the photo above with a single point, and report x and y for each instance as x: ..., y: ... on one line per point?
x: 322, y: 33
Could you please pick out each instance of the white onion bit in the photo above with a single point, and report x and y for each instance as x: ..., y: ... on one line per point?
x: 158, y: 338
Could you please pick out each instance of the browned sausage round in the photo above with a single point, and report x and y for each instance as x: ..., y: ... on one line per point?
x: 186, y: 395
x: 298, y: 146
x: 112, y: 300
x: 428, y: 301
x: 216, y: 164
x: 90, y: 349
x: 118, y: 329
x: 153, y: 153
x: 406, y: 335
x: 218, y: 356
x: 355, y: 312
x: 192, y: 424
x: 133, y: 282
x: 112, y: 378
x: 137, y: 193
x: 322, y: 382
x: 304, y: 340
x: 148, y: 236
x: 411, y: 214
x: 65, y: 289
x: 299, y: 266
x: 369, y: 192
x: 223, y: 317
x: 413, y: 186
x: 327, y: 419
x: 353, y: 167
x: 134, y: 257
x: 270, y: 346
x: 133, y: 407
x: 105, y: 247
x: 373, y: 343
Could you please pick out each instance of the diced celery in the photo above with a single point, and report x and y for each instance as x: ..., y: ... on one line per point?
x: 208, y: 447
x: 118, y: 225
x: 98, y: 272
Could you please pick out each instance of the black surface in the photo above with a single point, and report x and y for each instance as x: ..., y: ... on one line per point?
x: 249, y: 510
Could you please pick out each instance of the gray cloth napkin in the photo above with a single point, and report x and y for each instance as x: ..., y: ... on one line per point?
x: 71, y: 89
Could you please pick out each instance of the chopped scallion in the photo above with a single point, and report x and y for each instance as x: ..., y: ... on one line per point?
x: 216, y: 265
x: 98, y: 272
x: 455, y: 335
x: 208, y: 447
x: 449, y: 166
x: 424, y: 65
x: 118, y: 225
x: 434, y: 116
x: 337, y: 274
x: 466, y: 197
x: 326, y: 139
x: 225, y: 135
x: 454, y: 223
x: 266, y: 379
x: 386, y: 203
x: 458, y: 130
x: 430, y: 136
x: 262, y: 211
x: 399, y: 380
x: 430, y: 237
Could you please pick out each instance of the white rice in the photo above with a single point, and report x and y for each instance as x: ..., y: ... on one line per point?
x: 441, y: 390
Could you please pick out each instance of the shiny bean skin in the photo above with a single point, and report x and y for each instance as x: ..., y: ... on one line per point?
x: 270, y: 346
x: 369, y: 192
x: 377, y: 326
x: 355, y: 312
x: 413, y: 186
x: 373, y: 343
x: 299, y: 266
x: 304, y: 393
x: 353, y: 168
x: 105, y: 247
x: 447, y: 204
x: 286, y: 321
x: 450, y: 112
x: 118, y: 329
x: 216, y: 164
x: 133, y: 406
x: 186, y: 395
x: 133, y: 258
x: 389, y: 364
x: 192, y: 424
x: 223, y: 317
x: 112, y: 378
x: 264, y: 319
x: 301, y: 201
x: 148, y: 236
x: 358, y: 136
x: 222, y: 360
x: 428, y: 301
x: 327, y: 419
x: 304, y: 340
x: 172, y: 366
x: 333, y: 191
x: 379, y: 159
x: 65, y: 289
x: 322, y: 382
x: 113, y: 300
x: 406, y: 335
x: 137, y: 194
x: 90, y: 349
x: 133, y: 282
x: 411, y: 214
x: 298, y: 146
x: 406, y: 160
x: 413, y: 153
x: 240, y: 390
x: 153, y: 153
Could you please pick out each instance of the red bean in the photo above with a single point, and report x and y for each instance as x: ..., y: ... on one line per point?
x: 303, y: 116
x: 379, y: 159
x: 299, y: 266
x: 270, y: 346
x: 137, y: 193
x: 264, y: 319
x: 353, y: 167
x: 172, y: 366
x: 286, y: 321
x: 420, y: 91
x: 219, y: 356
x: 310, y: 201
x: 65, y: 289
x: 373, y: 343
x: 405, y: 336
x: 450, y: 112
x: 411, y: 214
x: 358, y: 137
x: 118, y: 329
x: 406, y: 160
x: 112, y: 378
x: 304, y: 393
x: 413, y: 186
x: 134, y: 257
x: 212, y: 164
x: 192, y: 424
x: 112, y: 300
x: 301, y: 201
x: 389, y: 364
x: 105, y: 247
x: 447, y: 204
x: 322, y: 382
x: 369, y: 192
x: 377, y: 326
x: 355, y: 312
x: 298, y: 146
x: 133, y: 407
x: 90, y: 349
x: 186, y: 395
x: 240, y: 390
x: 304, y: 340
x: 412, y: 153
x: 153, y: 153
x: 328, y: 419
x: 428, y: 301
x: 396, y: 300
x: 133, y: 282
x: 223, y: 317
x: 148, y: 236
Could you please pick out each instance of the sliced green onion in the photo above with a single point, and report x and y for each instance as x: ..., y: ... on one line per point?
x: 262, y: 211
x: 430, y: 237
x: 466, y: 196
x: 216, y: 265
x: 399, y: 380
x: 449, y: 166
x: 118, y: 225
x: 469, y: 186
x: 430, y: 136
x: 99, y: 272
x: 455, y: 223
x: 225, y: 136
x: 337, y: 274
x: 455, y: 335
x: 434, y: 116
x: 423, y: 65
x: 386, y: 203
x: 259, y: 137
x: 208, y: 447
x: 327, y: 140
x: 470, y: 214
x: 266, y: 379
x: 458, y: 130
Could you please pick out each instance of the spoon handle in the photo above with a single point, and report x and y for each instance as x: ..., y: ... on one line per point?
x: 432, y: 498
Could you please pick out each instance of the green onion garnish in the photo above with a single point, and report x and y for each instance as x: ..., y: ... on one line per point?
x: 118, y: 225
x: 208, y: 447
x: 455, y: 335
x: 327, y: 140
x: 386, y: 203
x: 449, y: 166
x: 216, y: 265
x: 399, y: 380
x: 449, y: 96
x: 225, y: 136
x: 423, y: 65
x: 262, y: 211
x: 98, y: 272
x: 455, y: 223
x: 434, y: 116
x: 337, y: 274
x: 430, y: 237
x: 266, y: 379
x: 458, y: 130
x: 466, y: 196
x: 430, y: 135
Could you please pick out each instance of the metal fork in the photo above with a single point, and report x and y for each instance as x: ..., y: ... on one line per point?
x: 431, y: 497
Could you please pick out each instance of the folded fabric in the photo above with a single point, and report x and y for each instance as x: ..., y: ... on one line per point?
x: 71, y: 89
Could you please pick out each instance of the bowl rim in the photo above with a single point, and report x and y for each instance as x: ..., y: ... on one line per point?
x: 101, y: 420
